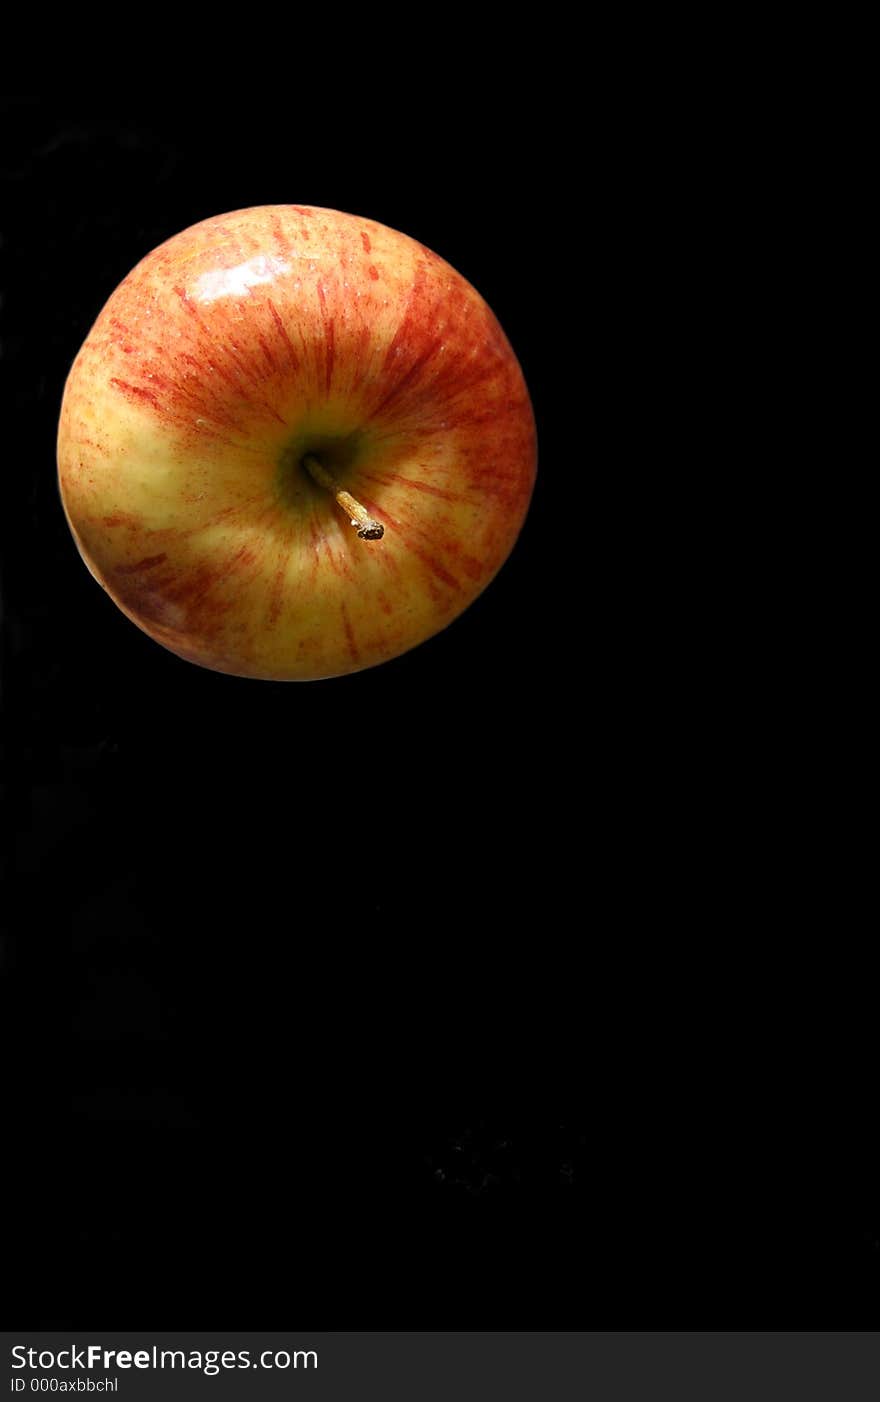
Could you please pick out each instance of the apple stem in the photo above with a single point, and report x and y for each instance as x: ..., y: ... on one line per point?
x: 368, y: 527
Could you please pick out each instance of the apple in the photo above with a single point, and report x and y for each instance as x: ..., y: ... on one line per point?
x: 294, y: 444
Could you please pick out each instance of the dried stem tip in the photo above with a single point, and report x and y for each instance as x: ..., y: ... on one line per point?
x: 367, y: 527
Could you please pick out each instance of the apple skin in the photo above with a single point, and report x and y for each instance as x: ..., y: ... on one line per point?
x: 226, y: 355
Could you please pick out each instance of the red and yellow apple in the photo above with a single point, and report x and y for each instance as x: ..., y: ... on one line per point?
x: 294, y: 444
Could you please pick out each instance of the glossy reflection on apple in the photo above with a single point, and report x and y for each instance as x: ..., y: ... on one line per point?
x: 294, y: 444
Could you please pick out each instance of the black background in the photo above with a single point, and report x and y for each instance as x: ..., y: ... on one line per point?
x: 510, y: 1036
